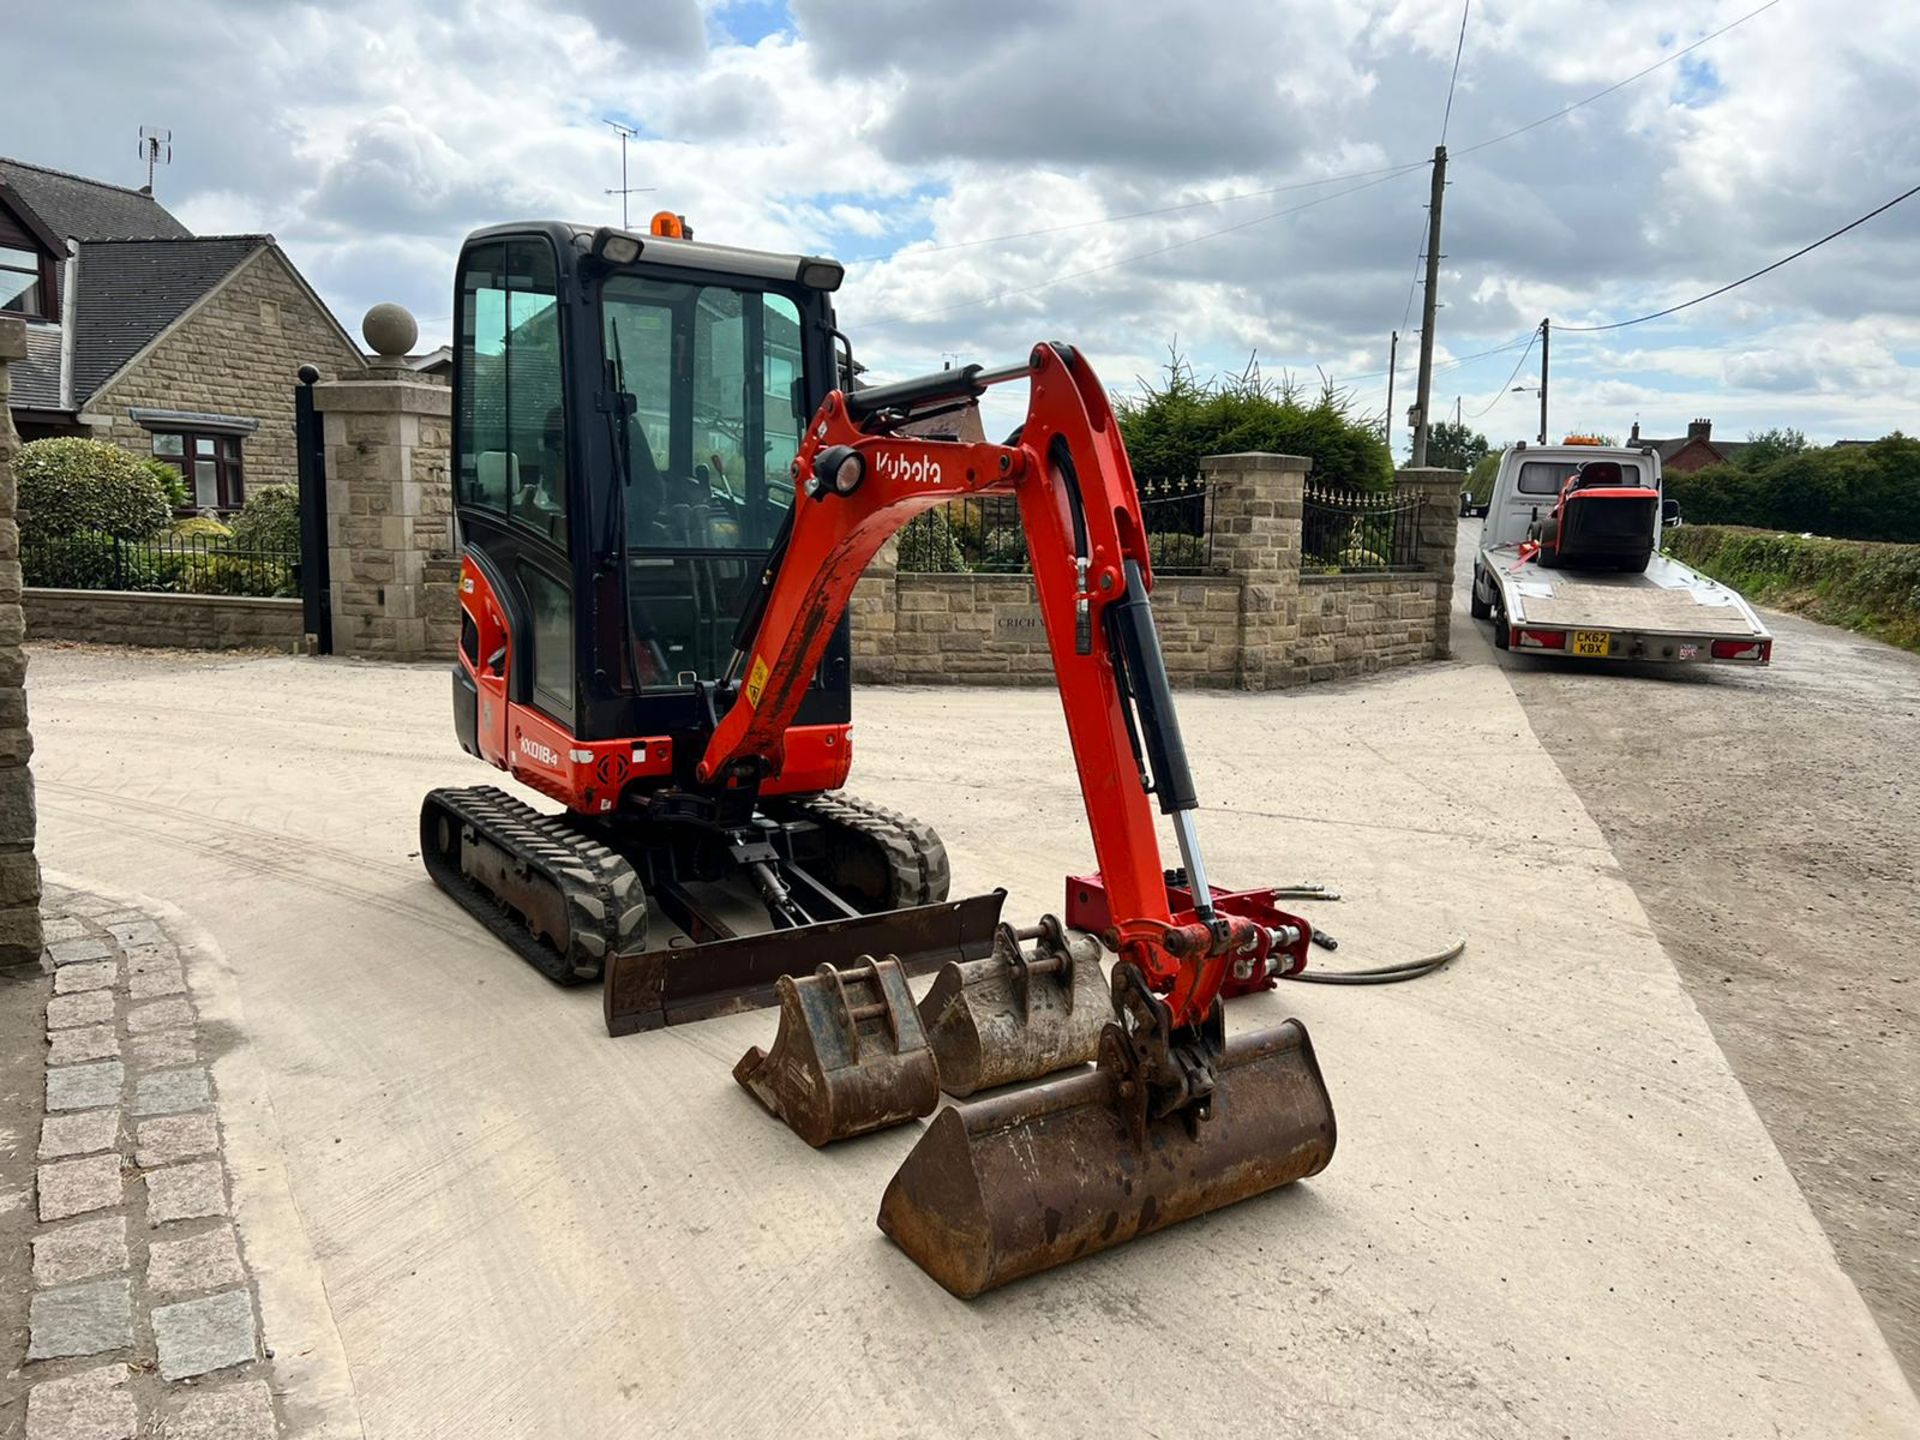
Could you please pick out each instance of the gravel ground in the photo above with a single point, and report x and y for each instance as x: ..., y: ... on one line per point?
x: 1769, y: 821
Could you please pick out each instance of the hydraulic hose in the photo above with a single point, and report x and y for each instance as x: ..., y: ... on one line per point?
x: 1381, y: 974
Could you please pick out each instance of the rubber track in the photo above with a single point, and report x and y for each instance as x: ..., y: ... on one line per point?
x: 915, y: 857
x: 606, y: 903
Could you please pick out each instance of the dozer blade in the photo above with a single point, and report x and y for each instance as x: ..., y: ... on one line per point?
x: 849, y: 1055
x: 694, y: 982
x: 1018, y: 1016
x: 1002, y: 1188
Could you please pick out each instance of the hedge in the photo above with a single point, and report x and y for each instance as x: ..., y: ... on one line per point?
x: 1863, y: 585
x: 1856, y: 492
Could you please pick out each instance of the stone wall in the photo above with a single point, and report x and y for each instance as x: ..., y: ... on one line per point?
x: 394, y: 562
x: 19, y: 870
x: 236, y: 355
x: 180, y: 622
x: 986, y: 630
x: 1258, y: 624
x: 1357, y: 624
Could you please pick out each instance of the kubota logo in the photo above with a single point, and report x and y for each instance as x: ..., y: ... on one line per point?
x: 920, y: 470
x: 534, y: 750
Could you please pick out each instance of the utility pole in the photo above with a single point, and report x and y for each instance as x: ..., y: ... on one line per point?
x: 1546, y: 327
x: 627, y: 132
x: 1393, y: 361
x: 1426, y: 323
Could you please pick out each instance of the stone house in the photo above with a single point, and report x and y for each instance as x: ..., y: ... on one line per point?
x: 176, y: 345
x: 1695, y: 450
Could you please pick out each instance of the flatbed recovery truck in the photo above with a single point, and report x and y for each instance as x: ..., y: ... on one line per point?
x: 1667, y: 612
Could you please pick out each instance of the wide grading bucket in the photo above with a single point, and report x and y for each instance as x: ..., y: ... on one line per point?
x: 1006, y: 1187
x: 1018, y: 1014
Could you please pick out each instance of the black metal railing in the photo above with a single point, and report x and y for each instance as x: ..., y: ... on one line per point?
x: 982, y: 535
x: 1343, y: 530
x: 169, y: 564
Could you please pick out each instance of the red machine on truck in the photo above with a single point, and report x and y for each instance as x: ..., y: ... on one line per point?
x: 667, y: 493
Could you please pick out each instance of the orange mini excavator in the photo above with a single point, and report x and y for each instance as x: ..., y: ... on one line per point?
x: 667, y: 487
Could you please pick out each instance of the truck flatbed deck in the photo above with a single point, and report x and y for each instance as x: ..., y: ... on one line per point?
x: 1668, y: 612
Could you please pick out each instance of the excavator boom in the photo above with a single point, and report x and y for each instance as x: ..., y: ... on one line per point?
x: 1182, y: 1120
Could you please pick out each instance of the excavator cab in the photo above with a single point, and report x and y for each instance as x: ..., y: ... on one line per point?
x: 626, y: 413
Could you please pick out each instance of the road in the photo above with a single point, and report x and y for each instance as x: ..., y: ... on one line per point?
x: 1767, y: 821
x: 1553, y: 1209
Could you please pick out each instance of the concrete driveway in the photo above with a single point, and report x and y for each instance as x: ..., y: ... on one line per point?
x: 1553, y: 1210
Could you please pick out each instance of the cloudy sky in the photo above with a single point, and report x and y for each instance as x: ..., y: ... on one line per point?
x: 981, y: 167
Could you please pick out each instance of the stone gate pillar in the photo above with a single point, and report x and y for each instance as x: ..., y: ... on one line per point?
x: 390, y: 540
x: 1439, y: 492
x: 1257, y: 500
x: 19, y: 870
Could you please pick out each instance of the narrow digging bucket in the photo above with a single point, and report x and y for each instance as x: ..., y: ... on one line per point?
x: 849, y: 1055
x: 1009, y: 1186
x: 1018, y: 1014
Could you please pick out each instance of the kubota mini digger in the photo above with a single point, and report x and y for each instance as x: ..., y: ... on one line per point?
x: 667, y: 488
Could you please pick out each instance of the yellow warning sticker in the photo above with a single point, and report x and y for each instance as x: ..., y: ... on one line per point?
x: 756, y: 681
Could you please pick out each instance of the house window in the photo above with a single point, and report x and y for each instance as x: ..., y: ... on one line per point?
x: 210, y: 463
x: 20, y: 282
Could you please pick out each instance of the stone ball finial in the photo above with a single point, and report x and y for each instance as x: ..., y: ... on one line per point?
x: 390, y: 330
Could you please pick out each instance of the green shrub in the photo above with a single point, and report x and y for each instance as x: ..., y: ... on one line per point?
x: 1854, y: 492
x: 1870, y: 587
x: 175, y: 484
x: 270, y: 520
x: 1005, y: 550
x: 1177, y: 552
x: 217, y: 574
x: 1176, y: 424
x: 69, y: 485
x: 201, y: 525
x: 928, y: 543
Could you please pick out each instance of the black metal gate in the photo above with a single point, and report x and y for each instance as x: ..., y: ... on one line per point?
x: 316, y: 580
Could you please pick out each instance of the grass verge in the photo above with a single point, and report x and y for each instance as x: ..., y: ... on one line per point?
x: 1859, y: 584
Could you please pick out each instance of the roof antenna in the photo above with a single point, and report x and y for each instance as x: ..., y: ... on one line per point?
x: 156, y: 148
x: 627, y: 132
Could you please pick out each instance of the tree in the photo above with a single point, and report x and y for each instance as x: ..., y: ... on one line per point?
x: 1766, y: 446
x: 1173, y: 425
x: 70, y: 485
x: 1455, y: 447
x: 1480, y: 480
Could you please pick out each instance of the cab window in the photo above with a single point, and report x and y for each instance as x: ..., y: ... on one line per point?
x: 512, y: 423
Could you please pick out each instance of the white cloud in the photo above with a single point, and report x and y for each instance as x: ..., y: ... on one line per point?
x: 370, y: 135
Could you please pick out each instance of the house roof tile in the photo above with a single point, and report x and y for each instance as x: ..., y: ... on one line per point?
x: 76, y: 208
x: 132, y: 290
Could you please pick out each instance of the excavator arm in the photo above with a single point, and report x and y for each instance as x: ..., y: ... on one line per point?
x: 858, y: 481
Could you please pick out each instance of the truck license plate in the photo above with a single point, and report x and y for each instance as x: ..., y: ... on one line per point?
x: 1592, y: 642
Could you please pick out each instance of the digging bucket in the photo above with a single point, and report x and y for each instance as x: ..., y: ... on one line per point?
x: 849, y: 1055
x: 1018, y: 1014
x: 1002, y: 1188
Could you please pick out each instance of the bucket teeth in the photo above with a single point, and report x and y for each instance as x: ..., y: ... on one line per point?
x: 849, y: 1055
x: 1017, y: 1015
x: 1001, y: 1188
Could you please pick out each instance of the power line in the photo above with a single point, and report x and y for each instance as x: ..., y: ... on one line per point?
x: 1459, y: 45
x: 1010, y: 294
x: 1385, y: 170
x: 1440, y: 365
x: 1764, y: 270
x: 1511, y: 378
x: 1565, y: 111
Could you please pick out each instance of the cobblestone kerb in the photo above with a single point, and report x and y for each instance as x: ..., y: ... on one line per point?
x: 143, y: 1317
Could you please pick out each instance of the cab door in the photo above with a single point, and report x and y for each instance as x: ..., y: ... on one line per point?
x: 513, y: 488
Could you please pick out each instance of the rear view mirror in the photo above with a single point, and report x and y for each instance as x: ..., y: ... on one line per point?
x: 1669, y: 512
